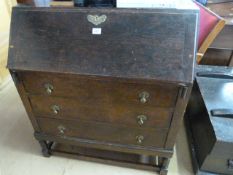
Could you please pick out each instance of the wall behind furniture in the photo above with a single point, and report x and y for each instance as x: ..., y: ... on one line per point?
x: 5, y: 12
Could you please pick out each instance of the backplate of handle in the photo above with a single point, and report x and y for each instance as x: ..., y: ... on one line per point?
x: 139, y: 139
x: 144, y: 96
x: 48, y: 88
x: 61, y: 129
x: 55, y: 109
x: 141, y: 119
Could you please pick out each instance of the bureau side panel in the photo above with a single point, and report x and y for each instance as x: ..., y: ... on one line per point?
x: 185, y: 90
x: 23, y: 95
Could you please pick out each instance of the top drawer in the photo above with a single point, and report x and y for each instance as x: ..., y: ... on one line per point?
x: 83, y: 88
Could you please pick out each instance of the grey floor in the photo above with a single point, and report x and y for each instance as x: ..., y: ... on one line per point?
x: 20, y: 152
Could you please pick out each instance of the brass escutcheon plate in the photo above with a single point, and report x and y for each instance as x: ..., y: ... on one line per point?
x: 96, y: 20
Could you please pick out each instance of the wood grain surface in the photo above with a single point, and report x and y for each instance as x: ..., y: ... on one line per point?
x: 135, y: 43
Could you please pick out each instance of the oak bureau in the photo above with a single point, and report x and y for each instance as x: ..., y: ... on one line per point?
x: 105, y: 84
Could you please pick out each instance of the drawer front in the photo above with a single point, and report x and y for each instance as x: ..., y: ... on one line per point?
x: 218, y: 165
x: 71, y: 108
x: 98, y: 90
x: 104, y: 132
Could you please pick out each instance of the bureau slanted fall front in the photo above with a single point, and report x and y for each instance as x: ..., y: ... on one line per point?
x: 105, y: 84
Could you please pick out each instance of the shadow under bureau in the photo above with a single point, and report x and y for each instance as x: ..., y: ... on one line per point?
x: 105, y: 84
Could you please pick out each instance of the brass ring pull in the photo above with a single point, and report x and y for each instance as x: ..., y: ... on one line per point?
x: 140, y: 139
x: 55, y: 109
x: 141, y: 119
x: 61, y: 129
x: 144, y: 96
x: 48, y: 88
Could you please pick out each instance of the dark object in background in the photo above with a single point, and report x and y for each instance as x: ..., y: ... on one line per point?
x: 217, y: 57
x: 209, y: 119
x: 26, y: 2
x: 95, y: 3
x: 203, y: 2
x: 79, y: 3
x: 220, y: 52
x: 218, y: 1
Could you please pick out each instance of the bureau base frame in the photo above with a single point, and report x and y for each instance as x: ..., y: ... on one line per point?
x: 130, y: 160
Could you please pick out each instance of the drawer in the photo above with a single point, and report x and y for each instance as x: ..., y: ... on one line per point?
x: 218, y: 164
x: 101, y: 90
x: 72, y: 108
x: 104, y: 132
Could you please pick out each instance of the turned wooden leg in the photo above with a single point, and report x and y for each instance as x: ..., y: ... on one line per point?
x: 164, y: 168
x: 45, y: 148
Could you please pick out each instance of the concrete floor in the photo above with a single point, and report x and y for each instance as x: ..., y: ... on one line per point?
x: 20, y: 152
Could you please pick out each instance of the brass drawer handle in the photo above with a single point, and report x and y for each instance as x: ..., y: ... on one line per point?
x: 55, y: 109
x: 61, y: 129
x: 141, y: 119
x: 144, y: 96
x: 48, y: 88
x: 140, y: 139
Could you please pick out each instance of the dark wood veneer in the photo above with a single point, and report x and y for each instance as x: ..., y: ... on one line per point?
x: 104, y: 132
x: 104, y: 112
x: 122, y: 93
x: 94, y: 90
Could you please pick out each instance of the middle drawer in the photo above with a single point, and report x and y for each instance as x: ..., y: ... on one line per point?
x: 72, y: 108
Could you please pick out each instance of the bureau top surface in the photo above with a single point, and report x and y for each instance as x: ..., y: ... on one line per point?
x: 217, y: 93
x: 155, y: 44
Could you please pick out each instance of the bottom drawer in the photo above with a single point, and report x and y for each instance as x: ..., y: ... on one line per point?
x: 104, y: 132
x: 218, y: 165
